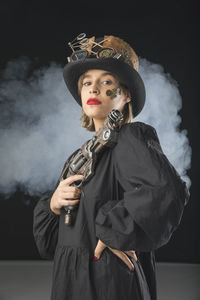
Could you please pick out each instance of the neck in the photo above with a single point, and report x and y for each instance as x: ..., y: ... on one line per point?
x: 98, y: 123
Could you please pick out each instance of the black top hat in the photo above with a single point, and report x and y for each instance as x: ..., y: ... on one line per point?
x: 108, y: 53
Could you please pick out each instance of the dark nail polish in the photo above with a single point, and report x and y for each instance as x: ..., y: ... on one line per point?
x: 95, y: 257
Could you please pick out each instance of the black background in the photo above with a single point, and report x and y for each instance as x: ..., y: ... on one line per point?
x: 163, y: 32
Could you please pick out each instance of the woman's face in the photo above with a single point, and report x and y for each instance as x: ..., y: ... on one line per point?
x: 101, y: 93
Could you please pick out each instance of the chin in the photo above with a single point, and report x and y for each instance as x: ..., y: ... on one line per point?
x: 96, y: 116
x: 95, y: 113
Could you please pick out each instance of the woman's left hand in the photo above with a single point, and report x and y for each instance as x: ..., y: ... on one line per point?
x: 123, y: 255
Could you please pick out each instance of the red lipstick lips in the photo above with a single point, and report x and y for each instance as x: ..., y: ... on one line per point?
x: 93, y: 101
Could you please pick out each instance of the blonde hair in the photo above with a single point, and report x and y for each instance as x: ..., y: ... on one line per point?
x: 88, y: 123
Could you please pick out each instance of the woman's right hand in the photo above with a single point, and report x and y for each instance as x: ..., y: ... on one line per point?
x: 63, y: 192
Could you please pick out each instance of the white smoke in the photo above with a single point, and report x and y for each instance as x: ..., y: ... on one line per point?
x: 161, y: 111
x: 40, y: 124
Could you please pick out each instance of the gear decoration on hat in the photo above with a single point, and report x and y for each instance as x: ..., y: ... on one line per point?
x: 90, y: 47
x: 107, y: 52
x: 86, y: 48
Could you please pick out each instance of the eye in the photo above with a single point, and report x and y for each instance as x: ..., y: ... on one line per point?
x: 86, y: 83
x: 107, y: 82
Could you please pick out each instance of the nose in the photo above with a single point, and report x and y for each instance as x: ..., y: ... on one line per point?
x: 94, y: 89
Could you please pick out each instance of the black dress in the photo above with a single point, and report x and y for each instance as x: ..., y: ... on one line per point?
x: 134, y: 201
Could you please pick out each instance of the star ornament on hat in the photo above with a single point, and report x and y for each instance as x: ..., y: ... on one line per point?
x: 108, y: 53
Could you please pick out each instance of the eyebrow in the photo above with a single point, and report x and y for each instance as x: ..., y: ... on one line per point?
x: 104, y: 74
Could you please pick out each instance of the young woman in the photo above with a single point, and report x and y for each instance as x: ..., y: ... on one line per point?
x: 131, y: 205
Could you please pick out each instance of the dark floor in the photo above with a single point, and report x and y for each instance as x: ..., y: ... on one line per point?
x: 31, y: 280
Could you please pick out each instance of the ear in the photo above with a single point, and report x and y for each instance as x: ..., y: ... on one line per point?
x: 128, y: 95
x: 128, y: 98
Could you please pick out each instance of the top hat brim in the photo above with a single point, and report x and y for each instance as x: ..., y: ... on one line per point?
x: 125, y: 72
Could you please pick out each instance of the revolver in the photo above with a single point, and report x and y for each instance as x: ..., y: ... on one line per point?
x: 83, y: 162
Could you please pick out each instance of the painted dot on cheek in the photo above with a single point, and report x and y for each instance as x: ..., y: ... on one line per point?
x: 113, y: 93
x: 108, y: 92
